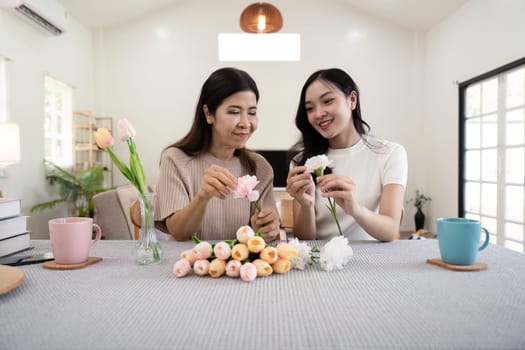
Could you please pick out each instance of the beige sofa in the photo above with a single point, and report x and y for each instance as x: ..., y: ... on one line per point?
x: 112, y: 212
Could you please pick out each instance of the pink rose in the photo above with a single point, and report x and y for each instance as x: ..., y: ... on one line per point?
x: 222, y: 250
x: 181, y: 268
x: 248, y: 272
x: 245, y: 188
x: 125, y: 130
x: 233, y: 268
x: 244, y: 233
x: 202, y: 250
x: 200, y: 267
x: 188, y: 255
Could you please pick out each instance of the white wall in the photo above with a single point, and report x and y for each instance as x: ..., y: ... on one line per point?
x: 69, y: 58
x: 154, y: 81
x: 480, y: 36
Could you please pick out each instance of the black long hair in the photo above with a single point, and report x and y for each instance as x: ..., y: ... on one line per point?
x: 221, y: 84
x: 311, y: 142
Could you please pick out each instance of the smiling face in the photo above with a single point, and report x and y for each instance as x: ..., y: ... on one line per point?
x: 232, y: 124
x: 329, y: 111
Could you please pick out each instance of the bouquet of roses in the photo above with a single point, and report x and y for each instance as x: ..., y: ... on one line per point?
x: 247, y: 257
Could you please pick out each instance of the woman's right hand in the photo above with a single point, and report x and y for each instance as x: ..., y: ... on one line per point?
x: 300, y: 185
x: 217, y: 182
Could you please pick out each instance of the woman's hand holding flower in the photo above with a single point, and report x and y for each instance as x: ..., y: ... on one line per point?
x: 267, y: 222
x: 342, y: 189
x: 217, y: 182
x: 300, y: 185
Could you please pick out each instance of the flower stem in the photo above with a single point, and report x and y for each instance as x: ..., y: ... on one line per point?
x: 333, y: 209
x: 148, y: 228
x: 257, y: 206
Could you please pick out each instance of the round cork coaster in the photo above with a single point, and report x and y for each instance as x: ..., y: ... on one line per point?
x: 52, y: 265
x: 10, y: 278
x: 478, y: 266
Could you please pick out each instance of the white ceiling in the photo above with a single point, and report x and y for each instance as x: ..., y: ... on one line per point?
x: 412, y: 14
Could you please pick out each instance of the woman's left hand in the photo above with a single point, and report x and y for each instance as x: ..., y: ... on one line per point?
x: 342, y: 189
x: 266, y: 221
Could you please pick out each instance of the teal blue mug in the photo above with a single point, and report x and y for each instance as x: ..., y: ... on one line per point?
x: 459, y: 240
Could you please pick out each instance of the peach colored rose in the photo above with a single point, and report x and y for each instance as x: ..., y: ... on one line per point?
x: 202, y: 250
x: 282, y: 266
x: 248, y: 272
x: 201, y: 267
x: 263, y: 268
x: 217, y: 268
x: 181, y: 268
x: 243, y: 233
x: 103, y: 138
x: 287, y: 251
x: 269, y: 254
x: 222, y: 250
x: 240, y: 252
x: 256, y: 244
x: 188, y: 255
x: 233, y: 268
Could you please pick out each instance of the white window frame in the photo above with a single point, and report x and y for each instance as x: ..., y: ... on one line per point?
x: 57, y: 122
x: 496, y: 223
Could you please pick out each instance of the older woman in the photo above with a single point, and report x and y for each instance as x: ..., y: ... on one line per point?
x: 199, y: 172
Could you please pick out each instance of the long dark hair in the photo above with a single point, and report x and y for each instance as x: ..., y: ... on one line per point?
x: 312, y: 143
x: 221, y: 84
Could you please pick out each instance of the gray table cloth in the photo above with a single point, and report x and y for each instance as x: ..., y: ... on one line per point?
x: 386, y: 297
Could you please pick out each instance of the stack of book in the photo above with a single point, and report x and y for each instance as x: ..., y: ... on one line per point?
x: 14, y: 236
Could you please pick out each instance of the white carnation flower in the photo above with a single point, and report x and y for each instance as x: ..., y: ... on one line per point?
x: 335, y: 254
x: 304, y: 256
x: 317, y: 164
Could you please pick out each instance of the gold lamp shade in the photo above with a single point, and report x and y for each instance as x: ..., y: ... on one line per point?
x: 261, y: 17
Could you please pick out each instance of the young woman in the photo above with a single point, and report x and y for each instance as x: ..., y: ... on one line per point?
x: 367, y: 176
x: 199, y: 172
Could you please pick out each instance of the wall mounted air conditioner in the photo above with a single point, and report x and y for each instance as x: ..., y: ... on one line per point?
x: 48, y: 15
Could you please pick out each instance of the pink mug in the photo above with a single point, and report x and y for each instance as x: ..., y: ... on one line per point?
x: 71, y: 239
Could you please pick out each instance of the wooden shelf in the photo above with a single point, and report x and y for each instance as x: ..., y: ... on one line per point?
x: 85, y: 151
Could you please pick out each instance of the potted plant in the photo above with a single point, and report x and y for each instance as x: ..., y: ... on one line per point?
x: 75, y: 188
x: 419, y: 217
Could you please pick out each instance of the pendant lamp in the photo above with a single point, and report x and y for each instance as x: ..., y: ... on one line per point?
x: 261, y: 17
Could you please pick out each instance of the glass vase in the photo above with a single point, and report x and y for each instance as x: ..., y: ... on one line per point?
x: 147, y: 251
